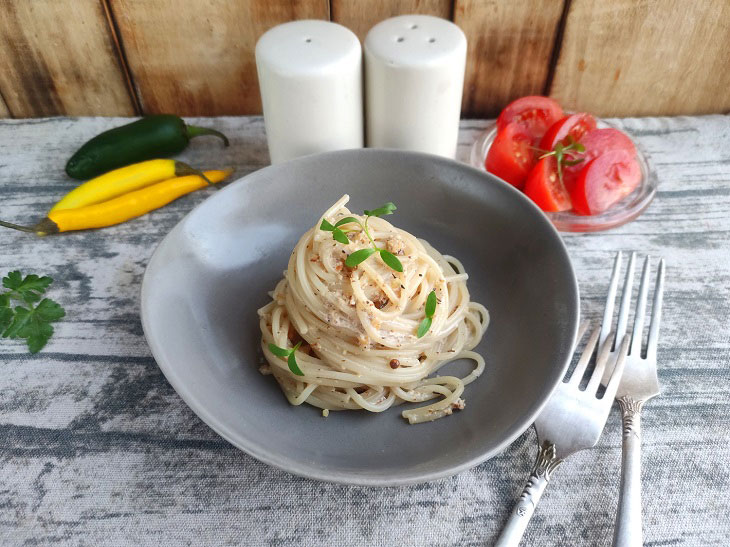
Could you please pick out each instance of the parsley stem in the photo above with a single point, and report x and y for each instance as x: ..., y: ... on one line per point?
x: 367, y: 233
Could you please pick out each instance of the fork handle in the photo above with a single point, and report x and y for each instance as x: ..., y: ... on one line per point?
x: 628, y: 518
x: 531, y: 494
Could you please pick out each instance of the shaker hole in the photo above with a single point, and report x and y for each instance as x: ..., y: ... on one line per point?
x: 400, y: 39
x: 413, y: 27
x: 308, y: 40
x: 432, y: 40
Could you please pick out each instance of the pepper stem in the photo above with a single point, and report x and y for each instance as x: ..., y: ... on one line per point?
x: 183, y: 169
x: 194, y: 131
x: 28, y: 229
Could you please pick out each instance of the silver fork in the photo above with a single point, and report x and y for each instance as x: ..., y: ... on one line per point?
x: 571, y: 421
x: 639, y: 383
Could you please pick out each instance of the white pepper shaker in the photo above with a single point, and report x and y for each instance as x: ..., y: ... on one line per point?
x: 310, y: 77
x: 414, y: 78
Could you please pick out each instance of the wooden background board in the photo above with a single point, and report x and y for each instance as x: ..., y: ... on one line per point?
x: 197, y: 58
x: 59, y: 57
x: 361, y: 15
x: 645, y: 57
x: 125, y: 57
x: 510, y: 45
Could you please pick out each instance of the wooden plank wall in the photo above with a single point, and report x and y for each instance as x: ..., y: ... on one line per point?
x: 127, y: 57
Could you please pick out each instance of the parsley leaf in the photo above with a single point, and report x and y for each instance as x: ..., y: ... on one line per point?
x: 346, y: 220
x: 358, y: 256
x: 29, y: 288
x: 383, y: 210
x: 340, y: 236
x: 293, y: 366
x: 431, y: 304
x: 279, y: 352
x: 326, y: 226
x: 290, y: 355
x: 424, y: 327
x: 391, y: 260
x: 30, y: 322
x: 6, y: 312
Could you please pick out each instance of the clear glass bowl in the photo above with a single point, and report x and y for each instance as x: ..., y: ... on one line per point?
x: 624, y: 211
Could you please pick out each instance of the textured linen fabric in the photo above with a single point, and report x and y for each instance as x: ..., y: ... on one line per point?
x: 97, y: 449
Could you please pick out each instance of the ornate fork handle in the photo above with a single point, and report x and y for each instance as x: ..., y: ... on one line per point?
x: 524, y: 508
x: 628, y: 518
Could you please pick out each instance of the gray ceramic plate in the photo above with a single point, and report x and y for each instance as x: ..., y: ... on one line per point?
x: 207, y: 278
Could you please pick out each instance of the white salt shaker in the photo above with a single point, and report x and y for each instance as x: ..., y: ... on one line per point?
x: 414, y: 78
x: 310, y: 77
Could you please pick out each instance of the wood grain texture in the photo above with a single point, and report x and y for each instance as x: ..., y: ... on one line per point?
x: 98, y: 449
x: 361, y: 15
x: 58, y: 57
x: 199, y: 60
x: 510, y: 45
x: 646, y: 57
x: 4, y: 112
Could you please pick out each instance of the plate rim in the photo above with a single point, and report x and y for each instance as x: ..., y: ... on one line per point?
x: 293, y: 466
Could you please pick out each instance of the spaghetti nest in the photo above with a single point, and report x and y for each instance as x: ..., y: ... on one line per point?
x: 358, y: 325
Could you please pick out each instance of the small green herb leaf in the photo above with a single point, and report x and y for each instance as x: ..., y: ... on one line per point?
x: 346, y: 220
x: 391, y: 260
x: 358, y: 256
x: 49, y: 310
x: 6, y: 317
x: 326, y: 226
x: 279, y: 352
x: 383, y: 210
x: 29, y: 322
x: 340, y: 236
x: 424, y: 327
x: 29, y: 288
x: 20, y: 319
x: 293, y: 366
x: 33, y: 324
x: 431, y: 304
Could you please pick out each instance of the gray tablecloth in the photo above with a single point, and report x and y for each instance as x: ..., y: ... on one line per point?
x: 98, y: 449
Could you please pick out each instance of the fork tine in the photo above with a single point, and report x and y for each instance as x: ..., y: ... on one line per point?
x: 656, y: 311
x: 636, y: 337
x: 581, y: 331
x: 580, y: 368
x: 623, y: 314
x: 604, y: 353
x: 618, y: 369
x: 610, y: 300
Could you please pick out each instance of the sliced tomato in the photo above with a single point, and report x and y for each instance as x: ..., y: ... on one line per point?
x: 534, y: 113
x: 543, y: 186
x: 597, y: 142
x: 511, y: 155
x: 575, y: 126
x: 605, y: 181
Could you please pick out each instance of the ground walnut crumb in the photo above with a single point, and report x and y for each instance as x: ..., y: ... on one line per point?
x: 459, y: 404
x: 396, y: 245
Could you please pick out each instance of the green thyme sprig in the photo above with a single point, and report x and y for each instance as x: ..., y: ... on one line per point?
x: 338, y: 234
x: 289, y: 354
x: 565, y: 154
x: 32, y: 319
x: 425, y: 325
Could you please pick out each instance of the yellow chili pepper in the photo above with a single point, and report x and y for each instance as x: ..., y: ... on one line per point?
x: 123, y: 180
x: 121, y: 208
